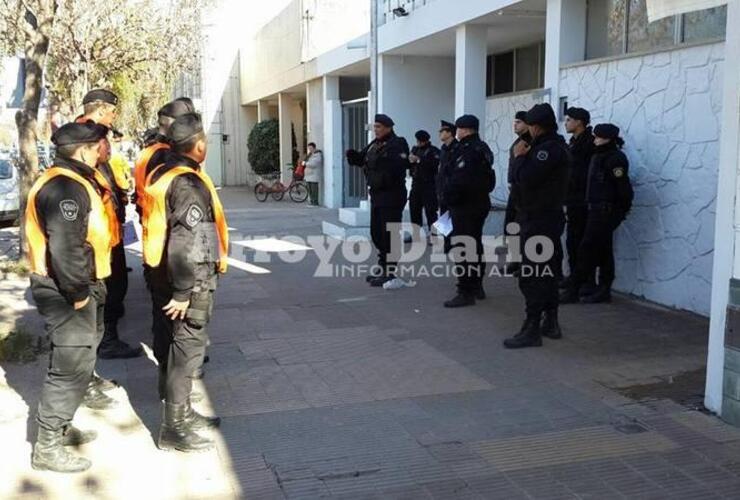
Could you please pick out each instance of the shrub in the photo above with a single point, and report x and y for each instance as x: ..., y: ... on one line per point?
x: 264, y: 148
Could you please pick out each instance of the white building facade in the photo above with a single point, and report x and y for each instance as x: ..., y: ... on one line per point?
x: 671, y: 86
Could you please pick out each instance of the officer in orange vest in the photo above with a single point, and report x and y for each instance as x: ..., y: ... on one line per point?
x: 68, y: 233
x: 186, y: 249
x: 100, y: 107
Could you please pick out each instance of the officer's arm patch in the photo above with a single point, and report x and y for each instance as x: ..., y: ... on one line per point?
x: 618, y: 172
x: 193, y: 216
x: 70, y: 209
x: 542, y: 155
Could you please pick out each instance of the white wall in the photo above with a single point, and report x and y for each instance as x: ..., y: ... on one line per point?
x: 497, y: 131
x: 417, y: 92
x: 668, y: 106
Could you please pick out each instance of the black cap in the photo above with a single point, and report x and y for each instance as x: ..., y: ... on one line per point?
x: 541, y: 114
x: 445, y: 125
x: 384, y: 120
x: 467, y: 121
x: 100, y: 95
x: 174, y: 109
x: 188, y: 102
x: 422, y: 135
x: 606, y: 131
x: 184, y: 127
x: 79, y: 133
x: 521, y: 115
x: 579, y: 114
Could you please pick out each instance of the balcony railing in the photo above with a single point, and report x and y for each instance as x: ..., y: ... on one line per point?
x: 386, y: 14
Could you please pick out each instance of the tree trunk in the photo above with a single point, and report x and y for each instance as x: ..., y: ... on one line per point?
x: 26, y: 119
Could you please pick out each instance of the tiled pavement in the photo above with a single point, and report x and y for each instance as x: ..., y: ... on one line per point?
x: 329, y: 388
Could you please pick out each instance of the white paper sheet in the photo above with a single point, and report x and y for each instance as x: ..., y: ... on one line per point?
x: 443, y: 224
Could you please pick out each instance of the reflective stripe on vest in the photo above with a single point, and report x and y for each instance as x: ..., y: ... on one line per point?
x: 140, y: 169
x: 157, y: 217
x: 98, y: 230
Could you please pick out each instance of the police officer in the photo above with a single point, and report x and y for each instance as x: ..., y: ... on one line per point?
x: 385, y: 161
x: 471, y: 178
x: 609, y: 196
x: 522, y: 132
x: 447, y: 154
x: 186, y: 249
x: 541, y: 175
x: 424, y: 160
x: 100, y: 107
x: 581, y: 147
x: 67, y: 228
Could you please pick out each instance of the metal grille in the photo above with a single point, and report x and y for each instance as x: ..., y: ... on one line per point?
x: 354, y: 136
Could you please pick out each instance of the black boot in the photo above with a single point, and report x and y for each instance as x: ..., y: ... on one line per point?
x: 198, y: 422
x: 72, y: 436
x: 569, y: 295
x: 111, y: 347
x: 176, y: 433
x: 49, y: 454
x: 550, y: 327
x: 97, y: 400
x: 461, y: 300
x: 528, y: 336
x: 602, y: 294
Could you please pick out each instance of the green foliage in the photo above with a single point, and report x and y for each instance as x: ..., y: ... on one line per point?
x: 264, y: 148
x: 20, y: 346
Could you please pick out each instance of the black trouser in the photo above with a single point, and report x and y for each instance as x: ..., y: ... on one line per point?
x: 576, y: 227
x: 75, y: 335
x: 180, y: 345
x: 380, y: 233
x: 116, y: 284
x: 510, y: 214
x: 596, y: 249
x: 467, y: 224
x: 538, y: 281
x: 423, y: 198
x: 313, y: 192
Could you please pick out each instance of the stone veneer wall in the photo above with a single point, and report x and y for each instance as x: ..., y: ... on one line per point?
x: 499, y: 134
x: 668, y: 106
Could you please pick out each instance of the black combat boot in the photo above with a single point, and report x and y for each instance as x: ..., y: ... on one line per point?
x: 603, y: 293
x: 199, y: 422
x: 49, y: 454
x: 72, y: 436
x: 461, y: 300
x: 176, y: 432
x: 550, y: 327
x: 96, y: 399
x: 528, y: 336
x: 111, y: 347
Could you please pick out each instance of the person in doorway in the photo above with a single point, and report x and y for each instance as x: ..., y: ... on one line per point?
x: 313, y: 172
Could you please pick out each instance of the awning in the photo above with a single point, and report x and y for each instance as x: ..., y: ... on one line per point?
x: 658, y: 9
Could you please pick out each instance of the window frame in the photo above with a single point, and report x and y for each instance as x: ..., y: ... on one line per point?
x: 540, y: 44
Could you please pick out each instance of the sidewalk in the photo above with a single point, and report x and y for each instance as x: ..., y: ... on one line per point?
x: 330, y: 388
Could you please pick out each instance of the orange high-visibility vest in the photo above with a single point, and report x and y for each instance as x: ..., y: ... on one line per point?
x: 140, y: 170
x: 156, y: 219
x: 145, y: 206
x: 121, y: 171
x: 110, y: 208
x: 98, y: 229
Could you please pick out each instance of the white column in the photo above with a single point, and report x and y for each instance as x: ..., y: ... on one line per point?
x: 333, y: 153
x: 470, y: 70
x: 315, y: 112
x: 264, y: 111
x: 285, y: 112
x: 726, y: 233
x: 552, y: 51
x: 572, y: 32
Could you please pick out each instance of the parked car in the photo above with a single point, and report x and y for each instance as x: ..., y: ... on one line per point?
x: 9, y: 191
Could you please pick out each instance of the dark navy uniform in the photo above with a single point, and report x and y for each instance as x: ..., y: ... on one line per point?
x: 581, y: 149
x: 447, y: 156
x: 609, y: 196
x: 512, y: 201
x: 423, y: 195
x: 385, y: 162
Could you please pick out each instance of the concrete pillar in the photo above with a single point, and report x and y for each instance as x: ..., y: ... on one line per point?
x: 572, y: 31
x: 315, y: 112
x: 723, y: 359
x: 285, y: 112
x: 264, y: 111
x: 553, y: 27
x: 333, y: 151
x: 470, y: 70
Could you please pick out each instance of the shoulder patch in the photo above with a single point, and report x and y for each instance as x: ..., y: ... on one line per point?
x: 618, y: 172
x: 542, y: 155
x: 194, y: 215
x: 404, y: 155
x: 70, y: 210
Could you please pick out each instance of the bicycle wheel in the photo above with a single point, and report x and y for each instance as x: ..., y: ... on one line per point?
x: 261, y: 191
x: 278, y: 191
x: 298, y: 192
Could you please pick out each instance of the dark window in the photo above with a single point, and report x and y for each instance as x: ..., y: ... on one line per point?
x: 705, y: 24
x: 503, y: 73
x: 517, y: 70
x: 642, y: 35
x: 528, y: 68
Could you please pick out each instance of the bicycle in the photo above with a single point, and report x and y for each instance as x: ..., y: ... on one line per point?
x: 297, y: 190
